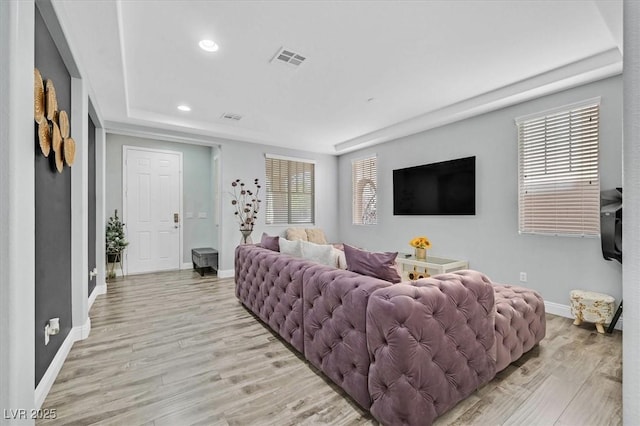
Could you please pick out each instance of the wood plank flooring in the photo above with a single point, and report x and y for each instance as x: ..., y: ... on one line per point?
x: 177, y: 349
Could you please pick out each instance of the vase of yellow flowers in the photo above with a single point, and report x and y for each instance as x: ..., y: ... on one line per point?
x: 420, y: 244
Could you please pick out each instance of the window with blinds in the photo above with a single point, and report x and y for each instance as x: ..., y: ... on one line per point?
x: 290, y: 193
x: 364, y: 177
x: 559, y: 184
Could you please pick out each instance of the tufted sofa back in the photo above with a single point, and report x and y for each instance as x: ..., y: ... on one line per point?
x: 431, y: 344
x: 270, y: 284
x: 408, y: 352
x: 334, y: 317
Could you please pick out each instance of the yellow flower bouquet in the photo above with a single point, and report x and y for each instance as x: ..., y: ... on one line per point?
x: 420, y: 242
x: 421, y: 245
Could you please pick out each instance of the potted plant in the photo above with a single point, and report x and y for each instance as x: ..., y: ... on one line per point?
x: 115, y: 241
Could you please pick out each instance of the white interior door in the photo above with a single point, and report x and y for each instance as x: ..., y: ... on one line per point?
x: 152, y: 188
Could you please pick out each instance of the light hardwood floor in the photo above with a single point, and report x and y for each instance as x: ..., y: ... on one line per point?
x: 177, y: 349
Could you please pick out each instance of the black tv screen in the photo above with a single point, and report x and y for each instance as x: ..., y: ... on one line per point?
x: 445, y: 188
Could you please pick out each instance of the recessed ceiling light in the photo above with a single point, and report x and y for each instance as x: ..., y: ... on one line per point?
x: 185, y: 108
x: 208, y: 45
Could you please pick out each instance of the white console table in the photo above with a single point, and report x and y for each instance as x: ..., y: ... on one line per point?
x: 433, y: 265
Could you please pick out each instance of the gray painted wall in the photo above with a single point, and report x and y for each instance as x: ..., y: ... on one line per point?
x: 196, y: 180
x: 91, y: 195
x: 490, y: 240
x: 17, y: 206
x: 52, y: 214
x: 631, y: 217
x: 247, y: 161
x: 224, y: 162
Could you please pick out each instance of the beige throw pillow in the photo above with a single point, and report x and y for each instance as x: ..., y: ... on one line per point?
x: 296, y: 234
x: 316, y: 235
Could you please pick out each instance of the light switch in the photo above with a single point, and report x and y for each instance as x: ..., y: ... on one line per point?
x: 189, y: 215
x: 202, y: 215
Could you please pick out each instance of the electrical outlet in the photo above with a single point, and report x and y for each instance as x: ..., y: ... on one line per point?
x: 51, y: 329
x: 523, y: 277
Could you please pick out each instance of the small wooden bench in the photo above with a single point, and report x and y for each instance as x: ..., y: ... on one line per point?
x: 204, y: 257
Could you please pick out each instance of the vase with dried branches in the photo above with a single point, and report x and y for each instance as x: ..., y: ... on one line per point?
x: 247, y: 205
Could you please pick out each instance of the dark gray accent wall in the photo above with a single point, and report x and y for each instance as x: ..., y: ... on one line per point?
x: 52, y: 216
x: 91, y: 140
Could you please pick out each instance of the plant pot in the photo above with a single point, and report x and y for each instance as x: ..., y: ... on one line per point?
x: 114, y: 257
x: 246, y: 236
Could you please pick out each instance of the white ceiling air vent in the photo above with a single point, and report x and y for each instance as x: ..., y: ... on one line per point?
x: 288, y: 57
x: 231, y: 116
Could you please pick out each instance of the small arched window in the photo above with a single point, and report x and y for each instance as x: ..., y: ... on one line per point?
x: 364, y: 187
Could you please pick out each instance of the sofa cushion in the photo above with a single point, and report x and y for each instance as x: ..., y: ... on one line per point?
x: 270, y: 242
x: 316, y: 235
x: 292, y: 248
x: 293, y: 234
x: 374, y: 264
x: 318, y: 253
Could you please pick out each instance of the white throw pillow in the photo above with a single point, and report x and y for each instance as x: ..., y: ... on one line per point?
x: 292, y: 248
x: 340, y: 261
x: 318, y: 253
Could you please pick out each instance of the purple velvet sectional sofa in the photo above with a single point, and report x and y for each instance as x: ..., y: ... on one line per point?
x: 406, y: 352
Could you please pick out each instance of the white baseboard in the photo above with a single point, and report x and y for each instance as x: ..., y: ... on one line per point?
x: 222, y: 273
x: 565, y: 311
x: 49, y: 377
x: 226, y: 273
x: 101, y: 289
x: 85, y: 330
x: 97, y: 291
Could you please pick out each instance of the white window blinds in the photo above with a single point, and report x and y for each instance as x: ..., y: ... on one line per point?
x: 364, y: 176
x: 559, y: 187
x: 290, y: 191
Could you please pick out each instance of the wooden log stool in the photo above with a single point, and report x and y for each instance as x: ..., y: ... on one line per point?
x: 593, y: 307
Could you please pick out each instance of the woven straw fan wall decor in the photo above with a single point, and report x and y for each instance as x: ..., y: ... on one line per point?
x: 53, y: 125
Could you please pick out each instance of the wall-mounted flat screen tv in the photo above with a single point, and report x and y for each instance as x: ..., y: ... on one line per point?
x: 445, y: 188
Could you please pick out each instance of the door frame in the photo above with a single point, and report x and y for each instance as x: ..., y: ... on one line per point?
x: 125, y: 154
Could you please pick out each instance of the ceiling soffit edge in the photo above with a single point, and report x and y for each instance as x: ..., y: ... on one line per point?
x: 597, y: 67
